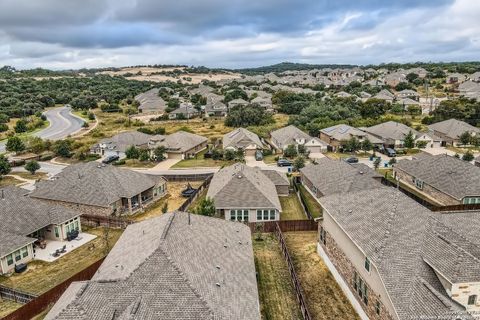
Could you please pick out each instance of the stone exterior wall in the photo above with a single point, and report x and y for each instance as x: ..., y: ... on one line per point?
x: 346, y: 270
x: 427, y: 190
x: 308, y: 184
x: 83, y: 208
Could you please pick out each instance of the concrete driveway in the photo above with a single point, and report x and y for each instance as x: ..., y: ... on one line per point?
x: 439, y: 150
x: 166, y: 164
x: 51, y: 169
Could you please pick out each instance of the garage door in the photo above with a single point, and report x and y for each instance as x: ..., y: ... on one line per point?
x: 315, y: 149
x: 175, y: 156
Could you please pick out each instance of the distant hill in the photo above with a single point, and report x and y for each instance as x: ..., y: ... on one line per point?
x: 291, y: 66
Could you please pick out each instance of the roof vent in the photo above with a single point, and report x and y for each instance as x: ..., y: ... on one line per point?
x: 350, y: 211
x: 217, y: 284
x: 218, y: 267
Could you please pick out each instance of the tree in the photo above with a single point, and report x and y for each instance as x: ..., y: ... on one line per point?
x: 302, y: 149
x: 165, y: 207
x: 21, y: 126
x: 409, y: 140
x: 411, y: 77
x: 366, y: 145
x: 290, y: 151
x: 15, y: 144
x: 229, y: 154
x: 4, y: 166
x: 421, y: 144
x: 465, y: 138
x: 244, y: 116
x: 392, y: 161
x: 377, y: 162
x: 143, y: 155
x: 206, y: 207
x: 32, y: 166
x: 414, y: 110
x: 159, y: 153
x: 468, y: 156
x: 132, y: 152
x: 217, y: 154
x: 298, y: 163
x: 62, y: 148
x: 3, y: 127
x: 352, y: 144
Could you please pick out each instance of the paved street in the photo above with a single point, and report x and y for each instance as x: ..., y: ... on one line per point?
x: 62, y: 124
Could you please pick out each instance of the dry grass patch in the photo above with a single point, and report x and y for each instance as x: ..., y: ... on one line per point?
x: 277, y: 296
x: 29, y: 176
x: 292, y: 208
x: 9, y: 181
x: 7, y: 307
x: 42, y: 276
x: 325, y: 299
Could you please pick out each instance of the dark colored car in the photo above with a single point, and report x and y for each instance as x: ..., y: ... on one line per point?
x: 110, y: 159
x: 390, y: 152
x: 351, y: 160
x: 284, y: 163
x: 258, y: 155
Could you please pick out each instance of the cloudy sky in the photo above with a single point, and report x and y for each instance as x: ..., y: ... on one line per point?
x: 64, y: 34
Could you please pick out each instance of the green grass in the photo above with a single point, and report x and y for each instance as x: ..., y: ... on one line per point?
x: 291, y: 208
x: 277, y: 296
x: 42, y: 276
x: 200, y: 162
x: 343, y: 155
x: 270, y: 159
x: 312, y: 204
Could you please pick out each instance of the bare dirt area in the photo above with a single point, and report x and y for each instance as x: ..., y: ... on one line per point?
x: 325, y: 298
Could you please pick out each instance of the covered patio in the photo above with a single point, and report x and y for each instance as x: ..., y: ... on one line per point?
x: 54, y: 245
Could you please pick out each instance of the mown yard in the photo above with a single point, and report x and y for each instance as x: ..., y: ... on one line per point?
x: 7, y: 307
x: 292, y: 208
x: 277, y: 296
x: 311, y: 203
x: 325, y: 299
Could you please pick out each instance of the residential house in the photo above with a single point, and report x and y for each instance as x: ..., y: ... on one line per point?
x: 442, y: 179
x: 263, y: 102
x: 391, y: 133
x: 475, y: 76
x: 151, y: 102
x: 336, y: 135
x: 185, y: 111
x: 397, y: 260
x: 395, y: 78
x: 386, y: 95
x: 118, y: 144
x: 477, y: 161
x: 330, y: 176
x: 24, y: 220
x: 468, y: 87
x: 179, y: 145
x: 407, y: 93
x: 178, y: 266
x: 242, y: 193
x: 242, y: 139
x: 291, y: 135
x: 99, y: 189
x: 216, y: 109
x: 450, y: 130
x: 237, y: 102
x: 455, y: 78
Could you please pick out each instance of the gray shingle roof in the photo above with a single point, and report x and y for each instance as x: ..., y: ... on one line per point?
x: 390, y: 130
x: 288, y: 135
x: 240, y: 138
x: 93, y: 184
x: 336, y: 176
x: 166, y: 268
x: 343, y: 132
x: 122, y: 141
x: 450, y: 175
x: 240, y: 186
x: 390, y: 228
x: 453, y: 128
x: 150, y: 101
x: 179, y: 141
x: 278, y: 178
x: 21, y: 215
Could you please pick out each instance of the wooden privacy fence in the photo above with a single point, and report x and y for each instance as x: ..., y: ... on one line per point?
x: 303, y: 201
x: 293, y: 275
x: 42, y: 302
x: 92, y: 220
x: 285, y: 226
x: 16, y: 295
x: 196, y: 194
x: 186, y: 177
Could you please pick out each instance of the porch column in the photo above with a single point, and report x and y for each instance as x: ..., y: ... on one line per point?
x: 140, y: 200
x: 129, y: 202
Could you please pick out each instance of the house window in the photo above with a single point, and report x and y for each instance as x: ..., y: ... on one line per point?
x: 472, y: 300
x: 418, y: 183
x: 272, y: 214
x: 367, y: 264
x: 323, y: 236
x: 24, y: 252
x: 265, y: 215
x: 239, y: 215
x: 378, y: 307
x: 76, y: 225
x: 471, y: 200
x: 57, y: 235
x: 10, y: 259
x: 259, y: 215
x: 18, y: 256
x: 360, y: 287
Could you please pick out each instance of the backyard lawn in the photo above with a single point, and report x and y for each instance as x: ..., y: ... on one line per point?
x: 312, y: 204
x: 9, y: 181
x: 277, y: 296
x: 325, y: 299
x: 7, y: 307
x: 200, y: 161
x: 174, y: 200
x: 292, y: 208
x: 42, y: 276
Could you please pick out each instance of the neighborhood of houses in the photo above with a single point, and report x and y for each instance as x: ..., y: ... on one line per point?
x: 398, y: 225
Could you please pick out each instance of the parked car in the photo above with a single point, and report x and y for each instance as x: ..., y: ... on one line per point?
x: 258, y: 155
x: 284, y: 163
x: 110, y: 159
x: 390, y: 152
x: 351, y: 160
